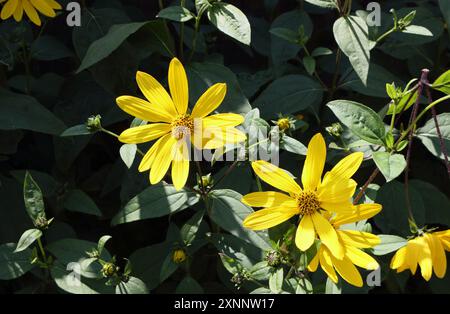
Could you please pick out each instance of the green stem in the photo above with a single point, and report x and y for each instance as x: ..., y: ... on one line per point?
x: 393, y: 117
x: 383, y: 36
x: 258, y: 183
x: 420, y: 115
x: 140, y: 152
x: 229, y: 170
x: 196, y: 30
x: 41, y: 248
x: 315, y: 70
x: 181, y: 47
x: 290, y: 272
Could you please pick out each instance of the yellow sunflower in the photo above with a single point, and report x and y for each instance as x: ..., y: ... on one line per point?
x: 353, y: 241
x: 331, y: 194
x: 173, y: 126
x: 16, y: 8
x: 428, y: 251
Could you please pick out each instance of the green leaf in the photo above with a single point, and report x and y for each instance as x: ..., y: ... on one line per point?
x: 48, y: 48
x: 74, y: 250
x: 78, y: 201
x: 18, y: 111
x: 117, y: 34
x: 376, y: 81
x: 190, y: 228
x: 204, y: 75
x: 283, y: 95
x: 329, y: 4
x: 282, y: 50
x: 189, y: 286
x: 176, y: 13
x: 132, y: 286
x: 261, y: 271
x: 229, y: 212
x: 128, y: 153
x: 101, y: 243
x: 310, y: 64
x: 231, y: 21
x: 442, y: 83
x: 292, y: 145
x: 445, y: 9
x: 332, y: 288
x: 276, y: 280
x: 27, y: 238
x: 76, y: 130
x: 429, y: 137
x: 32, y: 196
x: 389, y: 243
x: 285, y: 34
x: 391, y: 166
x: 417, y: 30
x: 155, y: 201
x: 13, y: 265
x: 321, y: 51
x: 351, y: 34
x: 360, y: 119
x: 405, y: 102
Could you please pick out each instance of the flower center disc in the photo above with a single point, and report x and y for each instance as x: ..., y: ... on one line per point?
x: 182, y: 126
x: 308, y: 203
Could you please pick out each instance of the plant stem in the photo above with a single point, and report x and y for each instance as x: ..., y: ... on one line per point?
x: 315, y: 70
x: 41, y: 248
x: 336, y: 72
x: 194, y: 41
x: 383, y: 36
x: 365, y: 186
x: 438, y: 131
x: 258, y: 183
x: 229, y: 170
x: 117, y: 136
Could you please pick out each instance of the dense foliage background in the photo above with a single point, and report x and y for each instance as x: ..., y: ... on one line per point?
x: 55, y: 77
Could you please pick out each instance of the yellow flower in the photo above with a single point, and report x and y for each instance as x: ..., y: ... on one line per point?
x: 353, y: 241
x: 331, y: 194
x: 172, y: 125
x: 284, y: 123
x: 427, y: 251
x: 16, y: 8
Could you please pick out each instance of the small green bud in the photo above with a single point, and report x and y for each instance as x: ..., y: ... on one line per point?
x: 389, y: 139
x: 335, y: 129
x: 42, y: 223
x: 239, y: 278
x: 401, y: 146
x: 93, y: 123
x: 206, y: 181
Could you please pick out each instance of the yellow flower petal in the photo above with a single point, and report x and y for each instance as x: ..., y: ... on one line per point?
x: 328, y: 235
x: 438, y: 255
x: 144, y: 133
x: 358, y: 239
x: 360, y: 258
x: 210, y: 100
x: 327, y: 265
x: 399, y: 258
x: 305, y: 234
x: 180, y: 165
x: 268, y: 199
x: 214, y: 138
x: 43, y: 7
x: 18, y: 13
x: 344, y: 169
x: 222, y: 120
x: 143, y: 109
x: 314, y: 163
x: 312, y: 267
x: 340, y: 208
x: 54, y: 5
x: 156, y: 93
x: 337, y: 193
x: 8, y: 9
x: 31, y: 12
x: 268, y: 217
x: 424, y: 258
x: 412, y: 255
x: 348, y: 271
x: 149, y: 157
x: 178, y: 85
x: 162, y: 160
x: 362, y: 211
x: 275, y: 176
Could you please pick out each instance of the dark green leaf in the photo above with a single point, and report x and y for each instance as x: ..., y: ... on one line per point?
x: 429, y: 137
x: 132, y: 286
x: 78, y: 201
x: 48, y: 48
x: 190, y: 228
x: 76, y: 130
x: 32, y: 196
x: 189, y: 286
x: 155, y: 201
x: 13, y: 265
x: 176, y: 13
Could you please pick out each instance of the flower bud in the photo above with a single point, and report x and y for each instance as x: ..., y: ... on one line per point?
x: 93, y: 123
x: 178, y: 256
